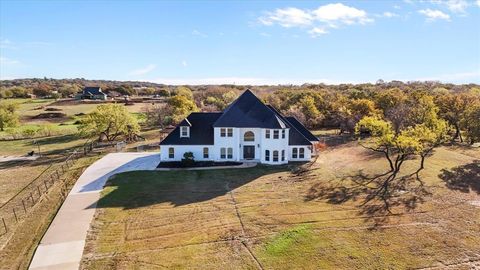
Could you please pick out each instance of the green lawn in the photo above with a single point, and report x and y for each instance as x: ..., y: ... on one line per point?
x: 268, y: 216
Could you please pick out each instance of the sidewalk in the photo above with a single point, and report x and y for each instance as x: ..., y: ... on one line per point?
x: 62, y: 245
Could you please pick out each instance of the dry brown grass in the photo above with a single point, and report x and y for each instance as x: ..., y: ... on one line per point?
x: 268, y: 217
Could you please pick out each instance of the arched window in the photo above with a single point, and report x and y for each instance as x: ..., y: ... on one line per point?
x: 275, y: 156
x: 248, y: 136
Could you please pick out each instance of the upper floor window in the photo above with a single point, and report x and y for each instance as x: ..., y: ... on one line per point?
x: 249, y: 136
x: 184, y: 132
x: 267, y: 134
x: 294, y: 152
x: 171, y: 152
x: 205, y: 152
x: 302, y: 152
x: 275, y: 133
x: 226, y: 132
x: 283, y: 133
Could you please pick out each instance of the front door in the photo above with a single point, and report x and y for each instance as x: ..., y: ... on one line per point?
x: 248, y: 151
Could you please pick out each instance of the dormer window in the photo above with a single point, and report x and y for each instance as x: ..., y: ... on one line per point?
x: 184, y: 132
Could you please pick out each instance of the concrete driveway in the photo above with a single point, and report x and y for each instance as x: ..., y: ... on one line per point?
x: 62, y: 245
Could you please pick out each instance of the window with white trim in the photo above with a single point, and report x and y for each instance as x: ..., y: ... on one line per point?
x: 302, y: 153
x: 275, y: 156
x: 205, y: 152
x: 229, y: 132
x: 283, y: 133
x: 171, y: 152
x: 283, y: 155
x: 223, y: 132
x: 294, y: 152
x: 267, y: 155
x: 267, y: 134
x: 184, y: 132
x: 275, y: 133
x: 229, y: 153
x: 223, y: 153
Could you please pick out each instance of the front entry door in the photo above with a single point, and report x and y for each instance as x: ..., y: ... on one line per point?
x: 248, y: 152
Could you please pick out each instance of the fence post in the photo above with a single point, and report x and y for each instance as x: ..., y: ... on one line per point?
x: 15, y: 214
x: 4, y: 225
x: 24, y: 208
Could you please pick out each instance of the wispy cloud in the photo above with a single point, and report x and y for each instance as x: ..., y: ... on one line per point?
x: 388, y: 14
x: 7, y: 44
x: 316, y: 21
x: 433, y: 15
x: 199, y: 34
x: 143, y: 71
x: 7, y: 61
x: 456, y: 6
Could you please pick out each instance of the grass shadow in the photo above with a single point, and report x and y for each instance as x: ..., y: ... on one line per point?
x: 406, y: 194
x: 463, y: 178
x: 145, y: 188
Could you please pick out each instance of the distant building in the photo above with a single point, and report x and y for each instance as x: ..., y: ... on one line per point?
x: 93, y: 93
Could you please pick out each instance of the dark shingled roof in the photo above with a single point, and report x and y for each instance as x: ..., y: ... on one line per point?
x: 305, y: 132
x: 246, y: 111
x: 295, y: 136
x: 92, y: 91
x: 249, y: 111
x: 201, y: 130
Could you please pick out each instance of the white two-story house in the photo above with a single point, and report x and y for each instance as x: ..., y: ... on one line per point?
x: 247, y: 130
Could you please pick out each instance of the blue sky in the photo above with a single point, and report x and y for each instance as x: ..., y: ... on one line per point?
x: 268, y: 42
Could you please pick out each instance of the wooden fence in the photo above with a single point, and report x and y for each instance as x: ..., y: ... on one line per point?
x: 20, y: 205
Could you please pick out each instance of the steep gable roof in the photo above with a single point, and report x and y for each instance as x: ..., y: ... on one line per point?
x: 302, y: 129
x: 249, y: 111
x: 295, y: 136
x: 201, y: 131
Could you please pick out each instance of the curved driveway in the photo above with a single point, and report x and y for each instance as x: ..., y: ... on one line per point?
x: 62, y: 245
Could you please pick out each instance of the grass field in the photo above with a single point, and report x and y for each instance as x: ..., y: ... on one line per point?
x: 271, y: 218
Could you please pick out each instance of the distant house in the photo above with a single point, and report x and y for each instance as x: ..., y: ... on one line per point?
x: 93, y: 93
x: 246, y: 130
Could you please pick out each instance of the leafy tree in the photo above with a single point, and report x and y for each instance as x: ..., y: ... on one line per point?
x: 158, y: 115
x: 309, y: 110
x: 418, y: 140
x: 109, y: 121
x: 8, y: 115
x: 163, y: 92
x: 42, y: 90
x: 452, y: 107
x: 471, y: 122
x: 183, y: 91
x: 181, y: 106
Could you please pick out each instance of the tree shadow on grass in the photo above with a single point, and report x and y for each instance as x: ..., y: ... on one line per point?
x: 463, y: 178
x: 145, y: 188
x: 406, y: 194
